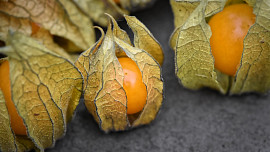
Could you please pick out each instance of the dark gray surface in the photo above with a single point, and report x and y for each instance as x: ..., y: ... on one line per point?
x: 189, y: 121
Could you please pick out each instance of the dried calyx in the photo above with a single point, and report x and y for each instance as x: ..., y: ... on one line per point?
x: 63, y: 28
x: 134, y: 5
x: 45, y: 89
x: 95, y: 9
x: 194, y: 60
x: 104, y: 92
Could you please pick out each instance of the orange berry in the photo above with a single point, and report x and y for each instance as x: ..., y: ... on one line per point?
x: 133, y: 85
x: 229, y: 28
x: 17, y: 124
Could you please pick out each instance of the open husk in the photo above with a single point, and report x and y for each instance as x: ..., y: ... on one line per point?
x: 58, y: 24
x: 193, y: 58
x: 45, y: 88
x: 104, y: 95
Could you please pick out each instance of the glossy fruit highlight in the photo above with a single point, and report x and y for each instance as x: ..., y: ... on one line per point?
x: 229, y: 28
x: 133, y: 85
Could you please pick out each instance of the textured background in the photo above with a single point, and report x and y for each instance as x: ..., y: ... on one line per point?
x: 189, y: 121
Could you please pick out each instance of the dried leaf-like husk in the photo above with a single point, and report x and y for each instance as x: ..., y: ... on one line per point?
x: 23, y: 143
x: 52, y: 16
x: 24, y: 26
x: 7, y: 138
x: 182, y: 9
x: 250, y: 2
x: 95, y: 9
x: 104, y: 95
x: 194, y: 61
x: 151, y: 78
x: 82, y: 21
x: 142, y: 35
x: 44, y: 36
x: 9, y: 22
x: 254, y: 72
x: 83, y: 64
x: 134, y: 5
x: 186, y: 42
x: 50, y: 82
x: 118, y: 32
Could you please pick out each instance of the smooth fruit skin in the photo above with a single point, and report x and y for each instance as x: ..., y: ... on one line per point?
x: 17, y: 124
x: 229, y: 28
x: 133, y: 85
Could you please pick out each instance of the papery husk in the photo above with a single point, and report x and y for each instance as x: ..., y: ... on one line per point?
x: 135, y: 5
x: 52, y: 84
x: 193, y: 57
x: 9, y: 142
x: 143, y: 35
x: 7, y: 138
x: 58, y: 18
x: 96, y: 10
x: 104, y: 94
x: 253, y: 74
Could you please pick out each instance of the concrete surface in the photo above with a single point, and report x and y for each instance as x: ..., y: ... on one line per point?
x: 189, y: 121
